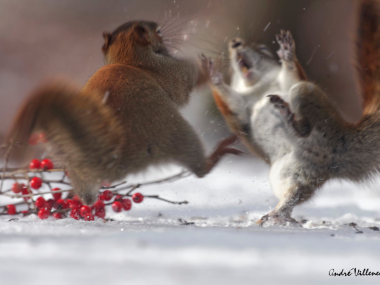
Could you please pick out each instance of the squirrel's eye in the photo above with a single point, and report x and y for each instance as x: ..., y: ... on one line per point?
x: 159, y: 31
x: 140, y: 30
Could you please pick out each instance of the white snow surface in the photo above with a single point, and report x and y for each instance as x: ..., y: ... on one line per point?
x: 148, y: 245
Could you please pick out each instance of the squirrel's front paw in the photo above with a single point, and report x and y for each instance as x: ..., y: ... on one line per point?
x: 287, y: 45
x: 205, y: 64
x: 282, y: 106
x: 216, y: 76
x: 208, y: 67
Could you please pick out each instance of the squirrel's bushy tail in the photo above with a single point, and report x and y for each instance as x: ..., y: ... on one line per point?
x: 368, y: 54
x: 83, y: 134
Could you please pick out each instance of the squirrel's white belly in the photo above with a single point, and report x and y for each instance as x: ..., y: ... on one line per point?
x: 269, y: 130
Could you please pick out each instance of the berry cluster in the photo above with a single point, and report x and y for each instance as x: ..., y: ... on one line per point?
x: 70, y: 206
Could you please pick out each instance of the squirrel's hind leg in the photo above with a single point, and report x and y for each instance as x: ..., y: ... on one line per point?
x: 183, y: 146
x: 293, y: 185
x: 281, y: 215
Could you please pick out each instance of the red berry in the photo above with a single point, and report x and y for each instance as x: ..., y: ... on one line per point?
x: 101, y: 213
x: 107, y: 195
x: 76, y: 204
x: 85, y: 210
x: 47, y: 164
x: 89, y: 217
x: 98, y: 205
x: 43, y: 213
x: 118, y: 198
x: 138, y: 197
x: 60, y: 204
x: 35, y: 164
x: 50, y: 204
x: 73, y: 203
x: 11, y: 209
x: 25, y: 213
x: 40, y: 202
x: 117, y: 206
x: 25, y: 192
x: 57, y: 196
x: 36, y: 183
x: 127, y: 204
x: 75, y: 213
x: 33, y: 139
x: 58, y: 215
x: 101, y: 197
x: 76, y: 198
x: 17, y: 188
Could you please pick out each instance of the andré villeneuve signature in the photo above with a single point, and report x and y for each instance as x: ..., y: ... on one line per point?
x: 354, y: 272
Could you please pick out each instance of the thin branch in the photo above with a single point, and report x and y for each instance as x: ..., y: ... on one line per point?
x: 175, y: 177
x: 113, y: 186
x: 36, y: 194
x: 6, y: 159
x: 354, y: 226
x: 165, y: 200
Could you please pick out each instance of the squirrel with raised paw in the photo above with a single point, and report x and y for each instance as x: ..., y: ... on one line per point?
x: 293, y: 125
x: 126, y: 117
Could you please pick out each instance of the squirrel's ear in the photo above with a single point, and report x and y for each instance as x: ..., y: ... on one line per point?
x: 107, y: 41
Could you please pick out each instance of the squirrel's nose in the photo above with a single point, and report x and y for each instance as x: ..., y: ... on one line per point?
x: 236, y: 43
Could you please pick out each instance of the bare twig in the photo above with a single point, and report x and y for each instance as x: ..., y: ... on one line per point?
x: 162, y: 199
x: 175, y: 177
x: 29, y: 190
x: 35, y: 194
x: 354, y: 226
x: 114, y: 186
x: 6, y: 159
x: 183, y: 222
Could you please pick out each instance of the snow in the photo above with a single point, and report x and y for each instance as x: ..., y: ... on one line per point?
x: 148, y: 245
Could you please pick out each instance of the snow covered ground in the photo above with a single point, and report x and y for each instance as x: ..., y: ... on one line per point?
x: 149, y: 245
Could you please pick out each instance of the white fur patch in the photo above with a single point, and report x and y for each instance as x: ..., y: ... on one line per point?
x: 279, y: 184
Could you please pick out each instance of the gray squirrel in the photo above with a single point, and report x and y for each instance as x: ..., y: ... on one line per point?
x: 292, y: 124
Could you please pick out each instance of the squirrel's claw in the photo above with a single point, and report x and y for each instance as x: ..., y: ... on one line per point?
x: 282, y: 106
x: 287, y: 45
x: 208, y: 67
x: 275, y: 218
x: 205, y: 65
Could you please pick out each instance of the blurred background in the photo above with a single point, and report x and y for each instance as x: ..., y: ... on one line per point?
x: 40, y: 39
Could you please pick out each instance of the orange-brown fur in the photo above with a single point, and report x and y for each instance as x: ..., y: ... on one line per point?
x: 368, y: 55
x: 301, y: 72
x: 125, y: 118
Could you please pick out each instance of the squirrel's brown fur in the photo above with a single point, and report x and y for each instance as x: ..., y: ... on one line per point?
x: 125, y: 118
x: 368, y: 55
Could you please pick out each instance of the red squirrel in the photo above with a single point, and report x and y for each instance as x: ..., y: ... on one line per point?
x: 125, y: 118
